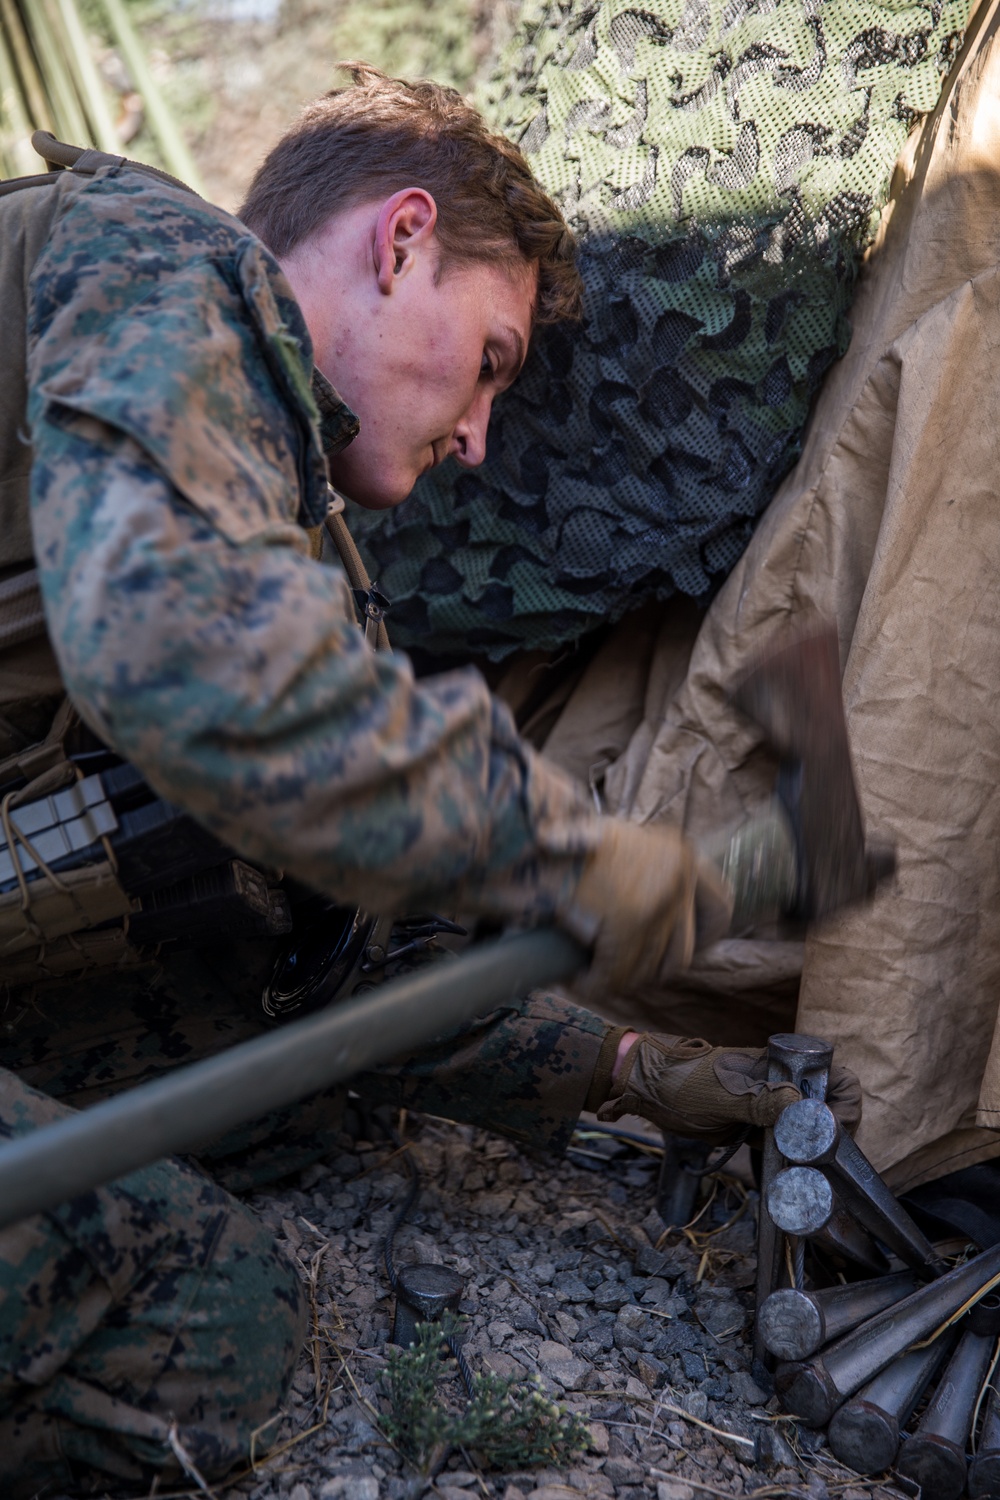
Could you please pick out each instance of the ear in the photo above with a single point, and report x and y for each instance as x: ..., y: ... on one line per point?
x: 404, y: 231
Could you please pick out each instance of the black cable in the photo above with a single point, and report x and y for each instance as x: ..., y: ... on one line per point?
x: 390, y: 1265
x: 400, y: 1216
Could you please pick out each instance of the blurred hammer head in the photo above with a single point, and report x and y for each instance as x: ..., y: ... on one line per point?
x: 794, y: 694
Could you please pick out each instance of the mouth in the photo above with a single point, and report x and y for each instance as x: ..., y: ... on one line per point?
x: 439, y: 452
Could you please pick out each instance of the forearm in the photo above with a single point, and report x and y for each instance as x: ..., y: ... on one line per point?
x: 233, y: 678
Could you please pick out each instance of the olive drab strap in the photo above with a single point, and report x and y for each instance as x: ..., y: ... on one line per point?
x: 86, y: 160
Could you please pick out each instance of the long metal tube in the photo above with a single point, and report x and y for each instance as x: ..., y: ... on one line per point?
x: 796, y: 1324
x: 866, y: 1432
x: 193, y: 1104
x: 814, y: 1390
x: 809, y: 1134
x: 935, y: 1455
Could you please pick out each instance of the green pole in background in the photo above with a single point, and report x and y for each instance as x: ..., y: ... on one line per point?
x: 89, y: 81
x: 69, y: 123
x: 32, y: 89
x: 15, y: 127
x: 176, y: 157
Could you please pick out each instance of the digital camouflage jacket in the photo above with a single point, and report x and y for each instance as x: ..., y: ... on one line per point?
x: 178, y: 460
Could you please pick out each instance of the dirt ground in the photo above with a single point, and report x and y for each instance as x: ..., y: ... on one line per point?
x: 571, y: 1279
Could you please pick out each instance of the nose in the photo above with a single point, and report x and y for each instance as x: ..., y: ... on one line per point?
x: 469, y: 437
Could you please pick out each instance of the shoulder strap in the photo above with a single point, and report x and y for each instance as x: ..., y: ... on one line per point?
x: 86, y: 160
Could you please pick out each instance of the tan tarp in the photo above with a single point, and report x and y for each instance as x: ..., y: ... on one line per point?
x: 889, y: 526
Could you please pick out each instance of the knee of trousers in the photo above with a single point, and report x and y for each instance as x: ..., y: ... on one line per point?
x: 198, y: 1350
x: 226, y: 1330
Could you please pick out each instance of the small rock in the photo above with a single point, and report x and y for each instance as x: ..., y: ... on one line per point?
x: 524, y: 1317
x: 635, y: 1389
x: 634, y: 1317
x: 300, y: 1492
x: 599, y: 1438
x: 572, y: 1289
x: 611, y: 1294
x: 349, y: 1487
x: 723, y: 1318
x: 503, y: 1364
x: 673, y: 1489
x: 650, y: 1262
x: 554, y: 1492
x: 493, y: 1205
x: 594, y: 1485
x: 650, y: 1369
x: 565, y: 1368
x: 695, y: 1403
x: 624, y: 1471
x: 568, y: 1327
x: 451, y: 1491
x: 745, y: 1388
x: 655, y: 1227
x: 770, y: 1450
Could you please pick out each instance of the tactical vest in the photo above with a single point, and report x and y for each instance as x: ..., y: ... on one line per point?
x: 95, y: 869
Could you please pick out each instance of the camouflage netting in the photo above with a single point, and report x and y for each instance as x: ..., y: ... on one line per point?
x: 724, y: 163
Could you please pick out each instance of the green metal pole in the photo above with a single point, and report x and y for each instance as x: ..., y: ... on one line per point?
x: 91, y: 85
x: 69, y: 124
x: 192, y: 1105
x: 176, y: 157
x: 15, y: 127
x: 27, y: 67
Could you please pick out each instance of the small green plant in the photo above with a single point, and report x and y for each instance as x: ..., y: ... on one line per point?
x: 507, y: 1422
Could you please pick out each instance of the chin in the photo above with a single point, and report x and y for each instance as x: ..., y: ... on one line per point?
x: 373, y: 491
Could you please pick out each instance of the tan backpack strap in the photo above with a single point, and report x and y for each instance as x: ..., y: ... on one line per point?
x: 357, y: 573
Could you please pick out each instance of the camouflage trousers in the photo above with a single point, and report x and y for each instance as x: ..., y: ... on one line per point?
x: 154, y: 1320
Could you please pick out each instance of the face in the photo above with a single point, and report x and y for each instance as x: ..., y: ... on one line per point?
x: 418, y: 353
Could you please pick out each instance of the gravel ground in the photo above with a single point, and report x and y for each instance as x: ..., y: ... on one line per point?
x: 570, y: 1275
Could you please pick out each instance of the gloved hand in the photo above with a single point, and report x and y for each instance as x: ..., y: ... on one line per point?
x: 642, y: 901
x: 688, y: 1087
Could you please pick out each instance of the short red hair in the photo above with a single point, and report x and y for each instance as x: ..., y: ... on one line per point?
x: 382, y: 134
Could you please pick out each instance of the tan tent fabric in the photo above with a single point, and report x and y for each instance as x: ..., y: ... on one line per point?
x: 889, y: 526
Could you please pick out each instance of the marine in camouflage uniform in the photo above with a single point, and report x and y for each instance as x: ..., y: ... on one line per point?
x: 178, y: 442
x: 177, y: 454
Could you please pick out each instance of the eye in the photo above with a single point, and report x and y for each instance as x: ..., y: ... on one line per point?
x: 487, y: 370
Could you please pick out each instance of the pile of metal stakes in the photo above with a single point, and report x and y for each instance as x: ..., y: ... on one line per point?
x: 859, y: 1358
